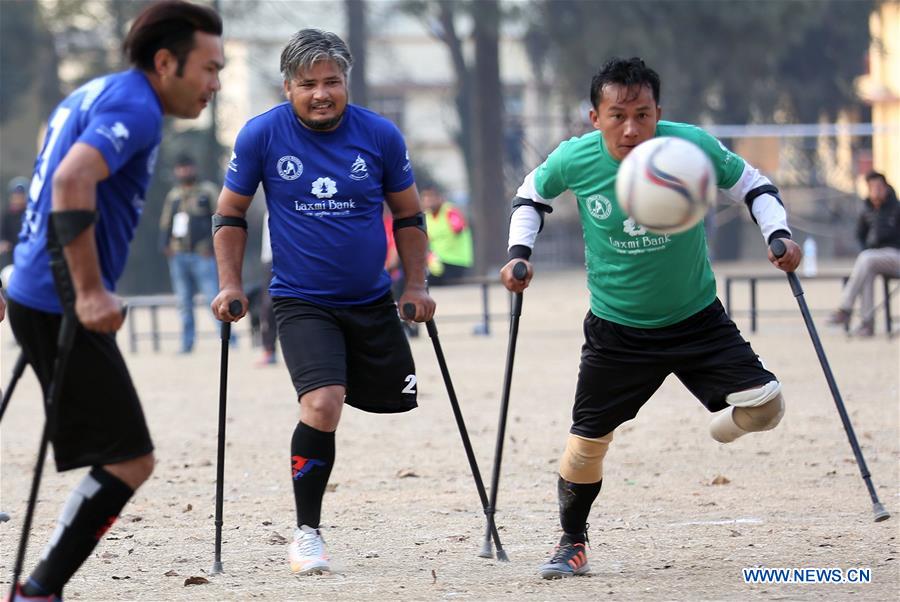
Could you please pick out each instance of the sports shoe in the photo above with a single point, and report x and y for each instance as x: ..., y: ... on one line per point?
x: 20, y: 597
x: 307, y: 552
x: 839, y: 318
x: 569, y: 559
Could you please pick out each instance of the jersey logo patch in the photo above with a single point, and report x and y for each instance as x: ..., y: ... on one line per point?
x: 599, y: 206
x: 632, y: 228
x: 359, y: 170
x: 117, y: 134
x: 324, y: 188
x: 290, y: 167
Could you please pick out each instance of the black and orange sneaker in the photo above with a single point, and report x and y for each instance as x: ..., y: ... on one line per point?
x: 569, y: 559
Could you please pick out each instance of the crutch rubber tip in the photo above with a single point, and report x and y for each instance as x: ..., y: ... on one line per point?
x: 501, y: 556
x: 880, y: 513
x: 486, y: 550
x: 217, y: 568
x: 4, y: 517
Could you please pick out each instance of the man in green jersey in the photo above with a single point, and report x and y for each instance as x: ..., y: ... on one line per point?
x: 654, y: 309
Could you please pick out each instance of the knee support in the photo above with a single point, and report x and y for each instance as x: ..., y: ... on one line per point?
x: 582, y: 462
x: 753, y: 410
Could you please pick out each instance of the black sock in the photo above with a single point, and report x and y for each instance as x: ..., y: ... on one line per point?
x: 575, y: 500
x: 312, y: 456
x: 90, y: 511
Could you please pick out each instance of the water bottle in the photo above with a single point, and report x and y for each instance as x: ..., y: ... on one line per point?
x: 810, y: 262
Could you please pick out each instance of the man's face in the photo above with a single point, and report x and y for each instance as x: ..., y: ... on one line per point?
x: 431, y: 199
x: 877, y: 191
x: 17, y: 201
x: 186, y: 174
x: 318, y: 95
x: 626, y: 116
x: 187, y: 94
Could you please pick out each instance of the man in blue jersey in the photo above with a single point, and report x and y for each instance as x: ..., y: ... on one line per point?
x: 654, y: 310
x: 326, y: 167
x: 85, y: 198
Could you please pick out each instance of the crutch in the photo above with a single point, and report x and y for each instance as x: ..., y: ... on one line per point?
x: 520, y: 271
x: 778, y: 250
x: 65, y: 340
x: 409, y: 310
x: 17, y: 372
x: 234, y: 308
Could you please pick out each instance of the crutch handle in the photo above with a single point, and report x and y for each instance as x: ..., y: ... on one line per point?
x: 520, y: 271
x: 778, y: 248
x: 234, y: 307
x: 409, y: 310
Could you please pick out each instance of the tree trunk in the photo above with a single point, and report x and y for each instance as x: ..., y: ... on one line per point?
x: 489, y: 198
x: 357, y: 39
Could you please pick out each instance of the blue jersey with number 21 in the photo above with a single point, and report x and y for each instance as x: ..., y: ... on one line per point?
x: 325, y: 193
x: 119, y: 115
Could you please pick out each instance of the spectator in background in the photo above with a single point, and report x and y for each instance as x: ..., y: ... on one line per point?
x: 449, y: 237
x: 878, y: 232
x: 12, y: 218
x: 186, y: 239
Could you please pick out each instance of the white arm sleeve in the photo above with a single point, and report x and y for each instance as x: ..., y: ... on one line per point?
x: 526, y: 221
x: 768, y: 212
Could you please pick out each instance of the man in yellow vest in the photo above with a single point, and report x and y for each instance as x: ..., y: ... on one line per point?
x: 449, y: 237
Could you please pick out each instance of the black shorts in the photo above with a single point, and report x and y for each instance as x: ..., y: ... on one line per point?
x: 621, y: 366
x: 362, y: 348
x: 99, y: 419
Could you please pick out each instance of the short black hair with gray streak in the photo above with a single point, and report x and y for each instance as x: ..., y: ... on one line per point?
x: 309, y: 46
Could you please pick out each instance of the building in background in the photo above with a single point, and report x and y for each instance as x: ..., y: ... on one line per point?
x: 881, y: 88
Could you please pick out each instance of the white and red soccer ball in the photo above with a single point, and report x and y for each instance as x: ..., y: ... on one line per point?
x: 666, y: 184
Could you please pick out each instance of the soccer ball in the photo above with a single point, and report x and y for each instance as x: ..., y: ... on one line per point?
x: 666, y: 184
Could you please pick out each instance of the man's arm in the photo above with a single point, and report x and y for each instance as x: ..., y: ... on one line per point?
x: 229, y: 243
x: 862, y: 228
x: 75, y: 189
x: 412, y: 246
x: 525, y: 222
x: 767, y: 210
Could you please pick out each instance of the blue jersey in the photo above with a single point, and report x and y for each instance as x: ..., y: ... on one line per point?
x: 121, y: 116
x: 325, y: 194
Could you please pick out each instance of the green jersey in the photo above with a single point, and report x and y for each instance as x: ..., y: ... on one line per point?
x: 636, y: 277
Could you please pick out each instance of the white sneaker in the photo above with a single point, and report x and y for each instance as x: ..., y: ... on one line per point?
x: 307, y: 552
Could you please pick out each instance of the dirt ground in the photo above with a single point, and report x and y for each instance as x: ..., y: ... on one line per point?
x: 403, y: 520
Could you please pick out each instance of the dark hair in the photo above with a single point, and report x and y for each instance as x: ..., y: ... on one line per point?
x: 630, y: 72
x: 184, y: 160
x: 874, y: 175
x: 168, y: 24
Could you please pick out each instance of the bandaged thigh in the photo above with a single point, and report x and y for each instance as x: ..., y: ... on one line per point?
x: 753, y: 410
x: 582, y: 461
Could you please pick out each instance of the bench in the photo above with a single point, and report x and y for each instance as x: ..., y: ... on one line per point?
x: 483, y: 328
x: 753, y: 279
x: 153, y: 303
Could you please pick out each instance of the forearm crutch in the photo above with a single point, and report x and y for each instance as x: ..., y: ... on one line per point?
x: 65, y: 340
x: 520, y: 271
x: 234, y: 308
x: 778, y: 250
x: 17, y: 372
x: 409, y: 310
